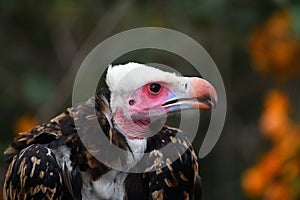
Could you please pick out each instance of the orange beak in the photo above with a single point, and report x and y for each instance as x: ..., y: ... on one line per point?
x: 204, y: 92
x: 197, y: 94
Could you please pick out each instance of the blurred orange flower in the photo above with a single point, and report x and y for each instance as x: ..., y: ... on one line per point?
x: 273, y: 48
x: 257, y: 179
x: 278, y: 191
x: 276, y: 175
x: 275, y: 120
x: 253, y: 182
x: 24, y: 123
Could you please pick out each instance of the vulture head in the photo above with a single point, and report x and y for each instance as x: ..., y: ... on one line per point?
x: 141, y: 94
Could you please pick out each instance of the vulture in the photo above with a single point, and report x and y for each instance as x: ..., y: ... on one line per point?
x: 51, y: 161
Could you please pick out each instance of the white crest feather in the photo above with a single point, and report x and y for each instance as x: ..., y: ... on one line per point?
x: 130, y: 76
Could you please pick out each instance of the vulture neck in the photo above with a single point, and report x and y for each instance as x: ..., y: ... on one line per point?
x: 119, y: 138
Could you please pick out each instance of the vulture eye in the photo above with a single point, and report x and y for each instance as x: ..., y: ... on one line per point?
x: 154, y: 88
x: 131, y: 102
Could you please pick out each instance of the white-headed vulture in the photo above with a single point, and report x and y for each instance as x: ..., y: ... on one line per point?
x: 51, y: 162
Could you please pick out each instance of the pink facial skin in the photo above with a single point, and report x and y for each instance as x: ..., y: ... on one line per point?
x: 155, y: 100
x: 144, y: 106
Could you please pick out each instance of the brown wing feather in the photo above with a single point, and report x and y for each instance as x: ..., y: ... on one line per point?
x: 34, y: 174
x: 163, y: 178
x: 60, y: 131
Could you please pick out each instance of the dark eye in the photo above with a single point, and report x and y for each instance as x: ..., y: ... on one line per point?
x: 155, y: 87
x: 131, y: 102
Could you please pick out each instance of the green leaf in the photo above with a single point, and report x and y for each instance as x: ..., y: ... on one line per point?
x: 36, y: 88
x: 295, y: 11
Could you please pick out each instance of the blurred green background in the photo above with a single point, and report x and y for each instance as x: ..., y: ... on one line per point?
x: 255, y: 44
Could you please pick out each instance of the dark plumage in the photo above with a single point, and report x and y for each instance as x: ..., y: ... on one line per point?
x: 51, y: 162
